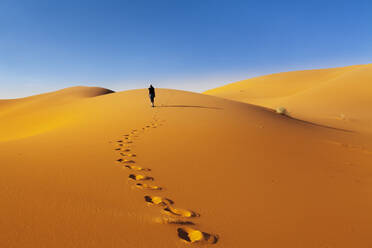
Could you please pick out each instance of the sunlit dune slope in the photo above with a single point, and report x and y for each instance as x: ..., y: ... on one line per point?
x: 340, y: 97
x: 36, y: 114
x: 241, y: 173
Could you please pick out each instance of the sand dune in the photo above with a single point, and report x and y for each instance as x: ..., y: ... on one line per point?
x: 196, y: 171
x: 36, y: 114
x: 339, y: 97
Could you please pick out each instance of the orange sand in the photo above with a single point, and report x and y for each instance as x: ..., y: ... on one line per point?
x: 338, y: 97
x: 256, y: 178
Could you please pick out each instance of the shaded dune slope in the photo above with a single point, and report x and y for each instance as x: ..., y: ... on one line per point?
x: 254, y: 178
x: 338, y: 97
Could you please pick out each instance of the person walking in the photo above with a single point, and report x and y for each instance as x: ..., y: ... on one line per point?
x: 152, y: 94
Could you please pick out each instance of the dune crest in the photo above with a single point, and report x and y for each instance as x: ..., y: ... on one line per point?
x: 339, y: 97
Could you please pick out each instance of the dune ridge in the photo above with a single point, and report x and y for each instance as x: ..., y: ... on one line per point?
x: 256, y: 178
x: 338, y: 97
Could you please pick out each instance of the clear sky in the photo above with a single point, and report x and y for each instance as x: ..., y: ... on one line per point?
x: 184, y: 44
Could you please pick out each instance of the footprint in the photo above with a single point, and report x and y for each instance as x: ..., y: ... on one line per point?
x: 126, y: 150
x: 128, y: 142
x: 148, y: 186
x: 191, y: 235
x: 157, y: 200
x: 119, y: 141
x: 140, y: 177
x: 137, y: 168
x: 117, y: 149
x: 180, y: 222
x: 172, y: 220
x: 128, y: 161
x: 128, y: 154
x: 180, y: 212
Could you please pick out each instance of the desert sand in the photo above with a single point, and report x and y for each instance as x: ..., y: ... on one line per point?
x: 337, y: 97
x: 85, y: 167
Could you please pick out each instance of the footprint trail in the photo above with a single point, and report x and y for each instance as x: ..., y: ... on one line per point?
x: 169, y: 213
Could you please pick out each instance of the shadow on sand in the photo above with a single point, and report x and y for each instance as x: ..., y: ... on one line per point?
x: 320, y: 125
x: 186, y: 106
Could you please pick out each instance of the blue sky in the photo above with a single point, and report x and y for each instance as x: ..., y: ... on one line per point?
x: 190, y: 44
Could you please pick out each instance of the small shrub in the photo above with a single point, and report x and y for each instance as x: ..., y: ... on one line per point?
x: 281, y: 111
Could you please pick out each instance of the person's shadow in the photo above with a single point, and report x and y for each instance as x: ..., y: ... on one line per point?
x: 186, y: 106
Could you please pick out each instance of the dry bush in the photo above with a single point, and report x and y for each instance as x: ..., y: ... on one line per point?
x: 281, y: 110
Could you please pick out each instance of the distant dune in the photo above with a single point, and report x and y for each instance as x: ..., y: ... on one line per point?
x: 340, y: 97
x: 82, y: 168
x: 36, y: 114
